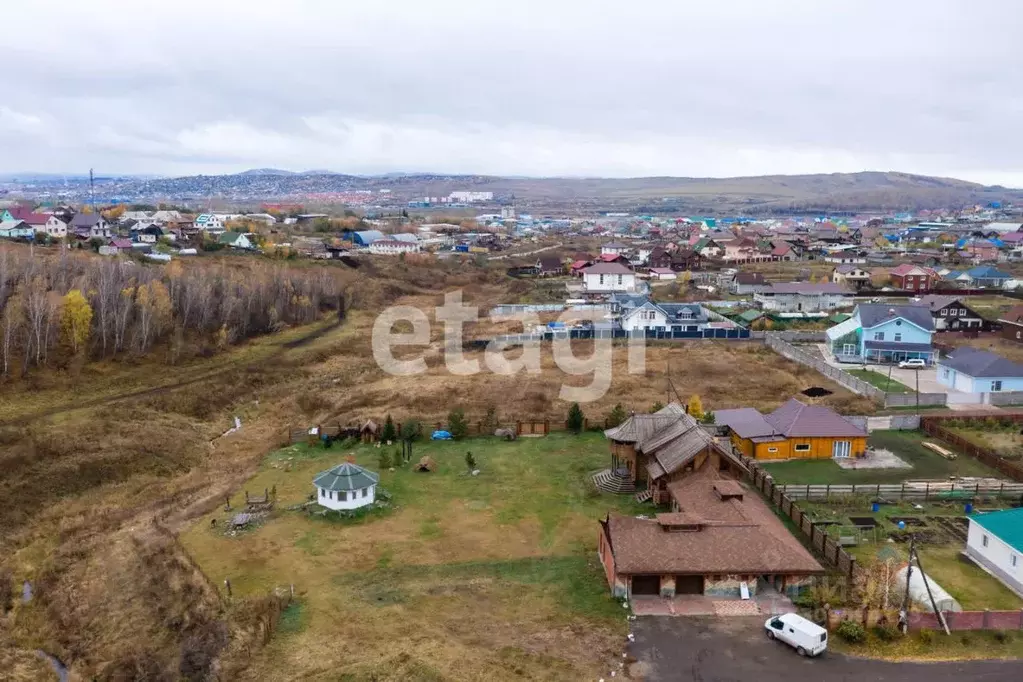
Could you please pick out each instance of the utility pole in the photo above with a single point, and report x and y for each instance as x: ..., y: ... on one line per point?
x: 927, y: 584
x: 917, y: 371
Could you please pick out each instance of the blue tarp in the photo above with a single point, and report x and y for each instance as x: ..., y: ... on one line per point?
x: 441, y: 435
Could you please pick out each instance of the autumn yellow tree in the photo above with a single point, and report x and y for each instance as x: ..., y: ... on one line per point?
x: 75, y: 320
x: 696, y: 407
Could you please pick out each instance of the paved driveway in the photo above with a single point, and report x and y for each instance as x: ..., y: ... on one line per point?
x: 672, y: 649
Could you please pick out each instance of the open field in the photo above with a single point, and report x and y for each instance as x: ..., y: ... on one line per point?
x: 486, y: 577
x: 1005, y: 439
x: 905, y: 444
x: 880, y: 380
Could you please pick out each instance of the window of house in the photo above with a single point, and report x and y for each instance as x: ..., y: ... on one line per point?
x: 330, y: 494
x: 944, y: 311
x: 996, y: 386
x: 879, y: 336
x: 323, y: 493
x: 619, y: 279
x: 983, y: 541
x: 343, y: 496
x: 802, y: 447
x: 365, y: 492
x: 772, y: 449
x: 1018, y: 335
x: 962, y: 311
x: 898, y: 336
x: 602, y: 279
x: 1012, y: 561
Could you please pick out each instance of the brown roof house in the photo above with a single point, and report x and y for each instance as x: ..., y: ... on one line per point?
x: 656, y: 449
x: 718, y: 536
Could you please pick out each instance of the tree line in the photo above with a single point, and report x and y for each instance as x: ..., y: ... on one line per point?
x: 55, y: 308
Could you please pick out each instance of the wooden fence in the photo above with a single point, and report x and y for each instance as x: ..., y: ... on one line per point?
x: 919, y: 492
x: 823, y: 544
x: 933, y: 426
x: 523, y: 427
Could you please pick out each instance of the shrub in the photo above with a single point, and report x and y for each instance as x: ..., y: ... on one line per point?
x: 384, y: 460
x: 1003, y: 636
x: 470, y: 462
x: 575, y: 418
x: 852, y: 632
x: 457, y: 425
x: 657, y: 407
x: 886, y: 633
x: 490, y: 421
x: 926, y: 636
x: 966, y: 639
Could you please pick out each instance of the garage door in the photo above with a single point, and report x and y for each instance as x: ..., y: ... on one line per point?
x: 646, y: 584
x: 688, y: 584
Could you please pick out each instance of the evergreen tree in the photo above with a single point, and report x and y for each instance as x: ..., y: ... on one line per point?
x: 616, y: 416
x: 575, y: 418
x: 457, y: 426
x: 389, y: 434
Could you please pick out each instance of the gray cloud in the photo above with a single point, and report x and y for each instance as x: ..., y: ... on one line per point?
x: 561, y: 87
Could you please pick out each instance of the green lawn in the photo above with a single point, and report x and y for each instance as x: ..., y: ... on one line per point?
x: 880, y: 381
x: 457, y: 581
x: 905, y: 444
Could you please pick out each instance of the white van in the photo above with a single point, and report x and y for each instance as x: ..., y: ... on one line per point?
x: 806, y: 637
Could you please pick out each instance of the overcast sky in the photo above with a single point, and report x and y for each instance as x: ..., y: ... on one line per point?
x: 523, y: 87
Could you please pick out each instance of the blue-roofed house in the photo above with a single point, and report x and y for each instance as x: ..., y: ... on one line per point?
x: 882, y: 333
x: 972, y: 370
x: 994, y: 541
x: 672, y: 317
x: 982, y: 276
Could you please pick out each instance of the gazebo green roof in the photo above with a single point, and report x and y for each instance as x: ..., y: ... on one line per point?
x: 839, y: 318
x: 346, y: 476
x: 751, y: 315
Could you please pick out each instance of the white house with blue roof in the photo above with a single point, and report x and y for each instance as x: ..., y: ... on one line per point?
x: 972, y: 370
x: 346, y: 486
x: 980, y: 276
x: 994, y: 542
x: 639, y: 313
x: 881, y: 333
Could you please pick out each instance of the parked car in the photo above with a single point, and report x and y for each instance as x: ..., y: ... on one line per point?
x: 915, y: 363
x: 806, y: 637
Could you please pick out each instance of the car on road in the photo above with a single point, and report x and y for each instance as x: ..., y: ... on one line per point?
x: 805, y: 636
x: 915, y: 363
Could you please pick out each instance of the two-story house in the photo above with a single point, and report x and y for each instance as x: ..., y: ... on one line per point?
x: 616, y: 248
x: 982, y: 276
x: 883, y: 333
x: 853, y: 276
x: 910, y: 277
x: 672, y: 317
x: 51, y: 225
x: 608, y: 278
x: 212, y: 224
x: 950, y: 313
x: 806, y: 297
x: 89, y: 225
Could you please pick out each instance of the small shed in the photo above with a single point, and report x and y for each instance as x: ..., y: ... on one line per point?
x: 369, y: 431
x: 346, y: 486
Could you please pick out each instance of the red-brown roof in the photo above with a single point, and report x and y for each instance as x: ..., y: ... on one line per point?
x: 736, y: 536
x: 909, y: 268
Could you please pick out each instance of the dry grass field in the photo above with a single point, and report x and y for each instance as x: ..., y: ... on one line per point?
x: 103, y: 469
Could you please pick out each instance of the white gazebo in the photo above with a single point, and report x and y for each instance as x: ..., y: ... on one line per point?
x: 346, y: 486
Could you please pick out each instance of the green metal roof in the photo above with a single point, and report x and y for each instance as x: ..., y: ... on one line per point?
x: 750, y: 315
x: 345, y: 476
x: 1005, y: 525
x: 839, y: 318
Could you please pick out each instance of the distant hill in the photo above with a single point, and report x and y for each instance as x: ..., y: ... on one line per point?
x: 768, y: 194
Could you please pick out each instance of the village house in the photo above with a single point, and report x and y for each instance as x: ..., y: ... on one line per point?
x: 89, y: 225
x: 649, y: 451
x: 793, y: 431
x: 672, y: 317
x: 549, y: 266
x: 686, y: 259
x: 236, y: 240
x: 659, y: 257
x: 663, y: 274
x: 346, y: 486
x: 48, y: 224
x: 719, y: 540
x: 882, y: 333
x: 16, y: 229
x: 392, y: 247
x: 852, y: 276
x: 909, y: 277
x: 606, y: 278
x: 971, y: 370
x: 209, y: 223
x: 982, y: 276
x: 1012, y: 324
x: 614, y: 248
x: 745, y: 283
x: 994, y: 541
x: 950, y: 313
x: 805, y: 297
x: 982, y: 250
